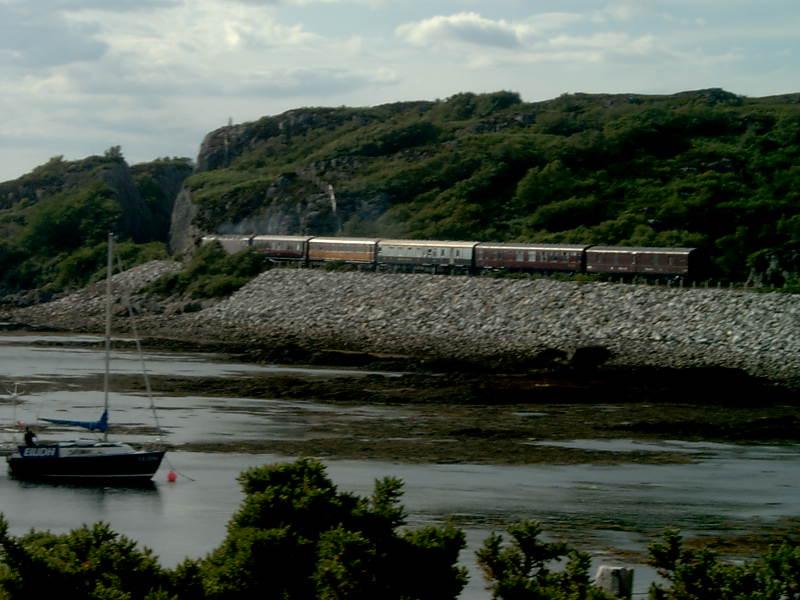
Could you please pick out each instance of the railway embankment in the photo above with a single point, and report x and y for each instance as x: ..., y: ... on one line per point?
x: 477, y: 319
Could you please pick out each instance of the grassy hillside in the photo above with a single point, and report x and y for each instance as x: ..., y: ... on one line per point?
x: 705, y: 168
x: 54, y: 220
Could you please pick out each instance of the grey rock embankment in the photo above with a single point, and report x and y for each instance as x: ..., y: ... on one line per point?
x: 477, y: 318
x: 474, y: 318
x: 85, y: 310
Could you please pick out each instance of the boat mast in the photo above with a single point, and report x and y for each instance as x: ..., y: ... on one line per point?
x: 108, y: 328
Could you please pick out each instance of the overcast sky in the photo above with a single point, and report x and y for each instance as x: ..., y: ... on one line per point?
x: 154, y: 76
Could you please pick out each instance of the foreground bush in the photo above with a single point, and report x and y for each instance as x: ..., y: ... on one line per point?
x: 700, y: 574
x: 523, y: 568
x: 296, y: 536
x: 89, y: 562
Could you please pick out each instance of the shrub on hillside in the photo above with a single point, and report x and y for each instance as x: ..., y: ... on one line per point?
x: 211, y: 273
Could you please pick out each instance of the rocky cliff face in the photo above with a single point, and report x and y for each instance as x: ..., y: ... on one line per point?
x: 223, y: 145
x: 183, y: 235
x: 299, y: 200
x: 220, y: 146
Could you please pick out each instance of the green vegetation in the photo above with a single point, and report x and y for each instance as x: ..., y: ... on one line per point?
x: 699, y: 574
x: 523, y: 569
x: 296, y: 536
x: 54, y: 221
x: 707, y: 169
x: 210, y: 273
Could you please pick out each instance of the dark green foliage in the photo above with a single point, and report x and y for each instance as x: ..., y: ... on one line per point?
x: 88, y: 264
x: 706, y: 168
x: 399, y: 138
x: 158, y: 183
x: 55, y: 220
x: 296, y: 536
x: 89, y: 562
x: 524, y: 568
x: 66, y: 222
x: 211, y: 273
x: 699, y: 574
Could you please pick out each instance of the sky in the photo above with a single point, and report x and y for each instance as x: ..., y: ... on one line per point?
x: 154, y: 76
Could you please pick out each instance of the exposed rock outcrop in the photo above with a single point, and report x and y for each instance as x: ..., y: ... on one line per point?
x: 183, y: 233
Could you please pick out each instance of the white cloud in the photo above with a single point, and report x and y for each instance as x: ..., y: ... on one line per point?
x: 624, y: 10
x: 466, y: 28
x: 536, y: 39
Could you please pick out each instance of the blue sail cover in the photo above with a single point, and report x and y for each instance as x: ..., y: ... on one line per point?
x: 100, y: 425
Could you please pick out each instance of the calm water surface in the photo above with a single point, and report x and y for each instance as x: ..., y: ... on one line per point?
x: 597, y: 507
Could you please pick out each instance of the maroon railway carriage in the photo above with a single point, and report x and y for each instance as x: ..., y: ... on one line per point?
x: 638, y: 260
x: 281, y: 247
x: 349, y: 250
x: 530, y: 257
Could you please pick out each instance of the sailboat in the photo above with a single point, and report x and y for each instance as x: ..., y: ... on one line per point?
x: 88, y: 460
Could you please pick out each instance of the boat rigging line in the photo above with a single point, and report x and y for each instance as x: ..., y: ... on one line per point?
x: 134, y: 330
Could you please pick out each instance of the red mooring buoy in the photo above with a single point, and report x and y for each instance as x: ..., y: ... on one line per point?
x: 172, y: 476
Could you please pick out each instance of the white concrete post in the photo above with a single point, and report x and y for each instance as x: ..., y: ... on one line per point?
x: 615, y: 580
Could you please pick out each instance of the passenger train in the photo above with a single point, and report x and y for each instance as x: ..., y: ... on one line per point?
x: 466, y: 257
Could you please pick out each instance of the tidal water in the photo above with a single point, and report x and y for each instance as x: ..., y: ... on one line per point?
x: 606, y: 510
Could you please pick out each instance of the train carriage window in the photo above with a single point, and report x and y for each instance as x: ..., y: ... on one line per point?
x: 520, y: 256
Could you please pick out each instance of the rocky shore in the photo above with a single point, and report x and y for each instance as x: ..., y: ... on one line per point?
x: 473, y: 319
